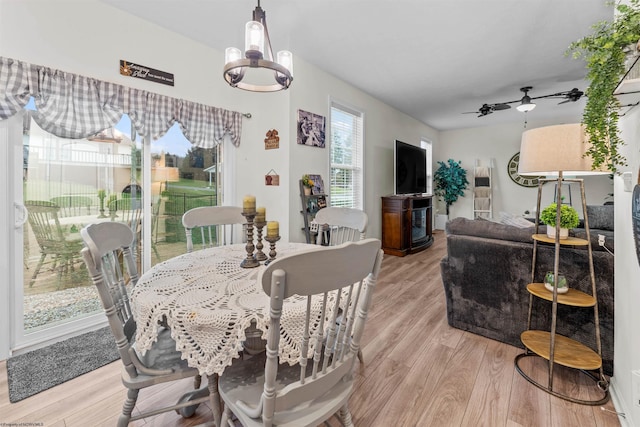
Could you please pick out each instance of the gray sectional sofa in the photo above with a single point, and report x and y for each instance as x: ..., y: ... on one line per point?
x: 488, y: 266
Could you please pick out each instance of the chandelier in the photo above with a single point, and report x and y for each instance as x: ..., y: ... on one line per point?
x: 256, y: 40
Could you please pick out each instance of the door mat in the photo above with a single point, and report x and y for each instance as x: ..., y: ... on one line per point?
x: 38, y: 370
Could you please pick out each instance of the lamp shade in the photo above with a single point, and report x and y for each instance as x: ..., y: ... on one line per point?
x: 551, y: 149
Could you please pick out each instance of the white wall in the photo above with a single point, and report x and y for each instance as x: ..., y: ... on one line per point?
x: 501, y: 143
x: 627, y: 283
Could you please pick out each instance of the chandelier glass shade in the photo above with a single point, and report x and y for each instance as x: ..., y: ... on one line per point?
x: 257, y: 46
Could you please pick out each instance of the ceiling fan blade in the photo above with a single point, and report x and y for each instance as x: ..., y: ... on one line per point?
x: 500, y: 106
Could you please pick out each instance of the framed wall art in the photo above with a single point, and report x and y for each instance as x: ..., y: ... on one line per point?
x: 311, y: 129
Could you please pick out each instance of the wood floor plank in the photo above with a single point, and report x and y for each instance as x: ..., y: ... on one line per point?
x: 448, y: 404
x: 489, y: 402
x: 418, y: 371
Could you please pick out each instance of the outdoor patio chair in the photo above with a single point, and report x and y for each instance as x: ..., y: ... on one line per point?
x: 54, y: 242
x: 73, y: 205
x: 260, y: 391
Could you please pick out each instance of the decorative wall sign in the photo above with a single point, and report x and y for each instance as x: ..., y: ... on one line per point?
x: 272, y: 178
x: 311, y: 129
x: 272, y: 140
x: 128, y: 68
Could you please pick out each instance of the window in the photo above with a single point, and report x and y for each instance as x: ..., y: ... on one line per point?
x: 347, y: 140
x: 428, y: 146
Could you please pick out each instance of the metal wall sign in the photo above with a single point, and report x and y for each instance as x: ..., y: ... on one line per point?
x: 130, y: 69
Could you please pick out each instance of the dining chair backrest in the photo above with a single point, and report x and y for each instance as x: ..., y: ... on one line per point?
x: 328, y: 348
x: 73, y: 205
x: 337, y: 225
x: 215, y: 224
x: 109, y: 260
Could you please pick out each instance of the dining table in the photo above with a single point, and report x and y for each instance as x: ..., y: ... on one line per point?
x: 210, y: 303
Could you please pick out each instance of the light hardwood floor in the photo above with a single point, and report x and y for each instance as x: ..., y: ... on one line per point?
x: 418, y: 371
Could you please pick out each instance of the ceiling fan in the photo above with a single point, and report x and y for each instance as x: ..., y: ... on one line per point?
x: 526, y: 103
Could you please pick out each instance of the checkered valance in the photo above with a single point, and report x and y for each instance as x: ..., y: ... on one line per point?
x: 73, y: 106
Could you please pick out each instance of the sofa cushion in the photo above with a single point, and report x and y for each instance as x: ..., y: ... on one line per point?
x: 600, y: 217
x: 489, y: 230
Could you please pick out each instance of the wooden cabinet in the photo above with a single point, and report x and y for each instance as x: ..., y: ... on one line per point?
x: 406, y: 224
x: 547, y: 344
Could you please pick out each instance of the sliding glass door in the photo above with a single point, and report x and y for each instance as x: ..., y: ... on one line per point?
x: 61, y: 185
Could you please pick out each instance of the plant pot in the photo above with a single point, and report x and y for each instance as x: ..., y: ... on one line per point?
x: 551, y: 232
x: 307, y: 191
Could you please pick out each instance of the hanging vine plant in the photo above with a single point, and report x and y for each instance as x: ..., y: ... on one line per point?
x: 605, y: 53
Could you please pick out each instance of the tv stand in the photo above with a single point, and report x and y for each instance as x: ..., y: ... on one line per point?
x: 406, y: 224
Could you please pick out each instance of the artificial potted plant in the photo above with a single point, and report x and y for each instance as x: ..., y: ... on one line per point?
x: 605, y: 52
x: 568, y: 219
x: 307, y: 184
x: 450, y: 181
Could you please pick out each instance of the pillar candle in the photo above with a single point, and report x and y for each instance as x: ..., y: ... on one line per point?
x: 273, y: 229
x: 261, y: 214
x: 249, y: 204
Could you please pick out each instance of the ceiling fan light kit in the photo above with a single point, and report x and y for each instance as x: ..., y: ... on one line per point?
x: 256, y: 43
x: 526, y: 103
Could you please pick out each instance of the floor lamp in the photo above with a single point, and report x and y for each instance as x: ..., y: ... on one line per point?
x: 556, y: 151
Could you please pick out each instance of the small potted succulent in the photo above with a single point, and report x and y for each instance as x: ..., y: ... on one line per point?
x: 307, y: 183
x: 568, y: 219
x: 549, y: 282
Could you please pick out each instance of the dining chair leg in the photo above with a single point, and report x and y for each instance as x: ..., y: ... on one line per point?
x: 226, y: 416
x: 345, y: 416
x: 127, y: 407
x: 214, y: 397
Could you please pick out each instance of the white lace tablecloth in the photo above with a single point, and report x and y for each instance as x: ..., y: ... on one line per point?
x: 208, y: 301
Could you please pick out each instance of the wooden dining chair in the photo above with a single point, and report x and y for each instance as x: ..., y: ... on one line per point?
x: 337, y: 225
x: 262, y: 392
x: 108, y: 256
x: 215, y: 224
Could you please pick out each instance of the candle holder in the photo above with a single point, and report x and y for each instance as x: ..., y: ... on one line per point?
x: 260, y: 256
x: 272, y: 243
x: 250, y: 261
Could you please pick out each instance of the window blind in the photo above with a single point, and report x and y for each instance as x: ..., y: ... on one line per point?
x: 347, y: 141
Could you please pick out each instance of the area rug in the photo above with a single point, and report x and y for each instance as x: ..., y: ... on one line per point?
x: 36, y: 371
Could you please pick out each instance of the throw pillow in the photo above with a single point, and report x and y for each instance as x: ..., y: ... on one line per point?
x: 515, y: 220
x: 600, y: 216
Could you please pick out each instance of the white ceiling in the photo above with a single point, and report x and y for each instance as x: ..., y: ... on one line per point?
x: 432, y: 59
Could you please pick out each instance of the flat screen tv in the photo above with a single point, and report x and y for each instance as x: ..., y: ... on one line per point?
x: 410, y: 169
